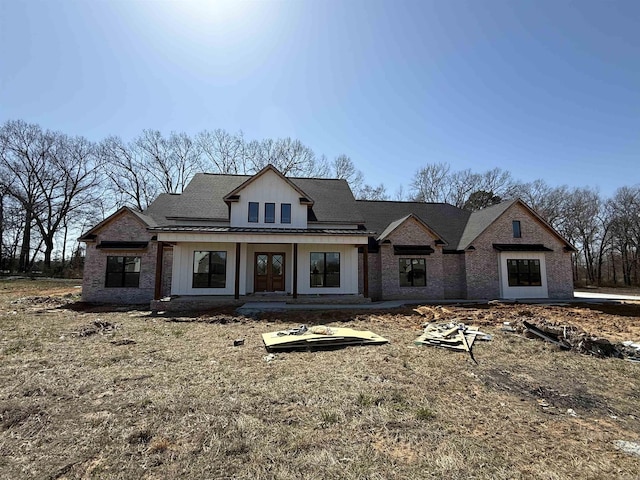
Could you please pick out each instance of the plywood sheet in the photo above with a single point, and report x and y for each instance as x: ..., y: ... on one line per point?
x: 339, y: 337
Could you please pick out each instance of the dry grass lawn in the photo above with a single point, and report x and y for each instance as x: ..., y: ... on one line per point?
x: 171, y: 397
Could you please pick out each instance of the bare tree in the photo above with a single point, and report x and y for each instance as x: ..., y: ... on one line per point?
x: 223, y: 152
x: 437, y: 183
x: 71, y: 188
x: 400, y: 194
x: 170, y: 162
x: 25, y: 164
x: 545, y: 200
x: 581, y: 225
x: 370, y: 192
x: 625, y: 230
x: 430, y: 183
x: 343, y: 167
x: 186, y: 159
x: 290, y: 157
x: 129, y: 182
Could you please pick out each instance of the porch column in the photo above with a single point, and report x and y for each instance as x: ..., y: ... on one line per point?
x: 236, y: 291
x: 295, y: 270
x: 365, y: 271
x: 157, y: 293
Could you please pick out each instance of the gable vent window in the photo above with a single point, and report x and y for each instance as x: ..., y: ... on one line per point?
x: 517, y: 233
x: 285, y: 213
x: 269, y: 213
x: 253, y: 212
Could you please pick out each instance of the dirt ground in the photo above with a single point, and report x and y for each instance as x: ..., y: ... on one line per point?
x: 103, y: 392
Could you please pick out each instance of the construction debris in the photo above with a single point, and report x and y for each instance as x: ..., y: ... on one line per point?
x: 319, y: 336
x: 455, y: 336
x: 548, y: 336
x: 433, y: 313
x: 97, y: 327
x: 632, y: 448
x: 571, y: 337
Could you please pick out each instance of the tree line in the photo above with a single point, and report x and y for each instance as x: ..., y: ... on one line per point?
x: 54, y: 186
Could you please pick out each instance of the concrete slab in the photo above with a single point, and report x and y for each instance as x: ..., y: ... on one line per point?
x: 251, y: 307
x: 604, y: 296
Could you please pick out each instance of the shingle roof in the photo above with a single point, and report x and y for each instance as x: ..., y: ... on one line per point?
x: 480, y: 220
x: 204, y: 199
x: 202, y: 207
x: 334, y: 202
x: 201, y: 199
x: 446, y: 220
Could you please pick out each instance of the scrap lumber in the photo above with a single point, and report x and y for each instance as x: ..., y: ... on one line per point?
x: 454, y: 336
x: 549, y: 337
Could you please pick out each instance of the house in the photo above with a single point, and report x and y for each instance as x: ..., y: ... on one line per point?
x: 239, y: 236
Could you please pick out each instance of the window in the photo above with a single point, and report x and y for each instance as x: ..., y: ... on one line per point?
x: 285, y: 213
x: 209, y: 269
x: 524, y: 273
x: 516, y: 229
x: 325, y: 269
x: 123, y: 272
x: 269, y: 213
x: 413, y: 272
x: 253, y: 212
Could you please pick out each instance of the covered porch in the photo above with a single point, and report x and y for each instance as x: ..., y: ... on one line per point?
x: 234, y: 267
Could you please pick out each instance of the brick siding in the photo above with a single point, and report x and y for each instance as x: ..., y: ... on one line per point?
x: 410, y: 233
x: 124, y: 227
x: 482, y: 263
x: 455, y: 280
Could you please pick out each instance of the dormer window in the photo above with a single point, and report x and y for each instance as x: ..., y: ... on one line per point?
x: 517, y: 233
x: 285, y: 213
x: 253, y: 212
x: 269, y: 213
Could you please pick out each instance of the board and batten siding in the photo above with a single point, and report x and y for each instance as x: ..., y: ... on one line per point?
x: 268, y: 188
x: 183, y: 267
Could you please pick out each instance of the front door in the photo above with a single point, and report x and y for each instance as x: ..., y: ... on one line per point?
x: 269, y: 272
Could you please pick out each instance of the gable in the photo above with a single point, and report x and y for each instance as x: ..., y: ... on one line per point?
x: 269, y: 187
x: 411, y: 229
x: 495, y: 227
x: 447, y: 220
x: 125, y: 225
x: 271, y: 173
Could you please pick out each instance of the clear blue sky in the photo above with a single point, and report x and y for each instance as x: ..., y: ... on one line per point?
x: 545, y: 89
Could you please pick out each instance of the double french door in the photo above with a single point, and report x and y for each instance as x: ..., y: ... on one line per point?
x: 269, y: 272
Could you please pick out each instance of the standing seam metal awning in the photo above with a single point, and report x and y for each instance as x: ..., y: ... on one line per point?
x: 521, y: 247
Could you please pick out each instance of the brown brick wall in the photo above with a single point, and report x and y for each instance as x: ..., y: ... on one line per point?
x: 455, y: 280
x: 410, y: 233
x: 124, y: 227
x: 482, y: 263
x: 375, y: 284
x: 167, y: 269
